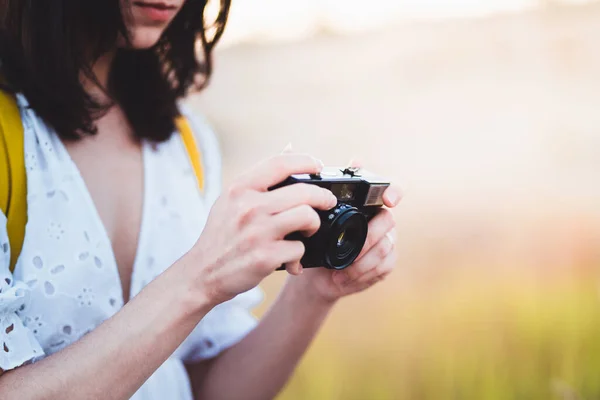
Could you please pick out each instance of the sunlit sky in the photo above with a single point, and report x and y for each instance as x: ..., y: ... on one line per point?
x: 276, y: 20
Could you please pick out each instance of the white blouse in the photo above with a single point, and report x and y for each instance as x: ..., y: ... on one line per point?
x: 66, y: 280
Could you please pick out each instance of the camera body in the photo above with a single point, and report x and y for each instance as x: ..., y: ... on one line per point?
x: 344, y: 228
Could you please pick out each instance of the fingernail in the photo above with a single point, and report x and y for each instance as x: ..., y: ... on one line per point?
x: 392, y: 196
x: 391, y: 235
x: 333, y: 200
x: 320, y: 163
x: 354, y: 163
x: 287, y: 148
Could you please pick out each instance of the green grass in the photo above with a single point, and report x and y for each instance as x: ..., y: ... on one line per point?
x: 468, y: 341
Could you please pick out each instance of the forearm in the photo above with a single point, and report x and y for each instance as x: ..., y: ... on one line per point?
x: 115, y: 359
x: 260, y: 365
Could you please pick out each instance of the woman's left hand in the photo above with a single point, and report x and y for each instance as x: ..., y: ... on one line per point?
x: 376, y: 261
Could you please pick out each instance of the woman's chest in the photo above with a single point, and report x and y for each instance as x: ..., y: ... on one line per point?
x: 112, y: 168
x: 68, y: 258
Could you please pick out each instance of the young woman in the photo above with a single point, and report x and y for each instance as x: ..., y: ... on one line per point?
x: 132, y: 282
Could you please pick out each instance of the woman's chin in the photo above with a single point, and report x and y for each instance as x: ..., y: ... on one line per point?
x: 144, y: 38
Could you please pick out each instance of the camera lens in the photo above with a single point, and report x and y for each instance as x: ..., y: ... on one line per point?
x: 348, y: 235
x: 341, y: 241
x: 345, y: 242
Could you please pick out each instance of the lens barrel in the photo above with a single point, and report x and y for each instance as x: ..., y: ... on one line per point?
x: 346, y: 237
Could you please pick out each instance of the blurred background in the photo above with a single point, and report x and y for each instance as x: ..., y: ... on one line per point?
x: 487, y: 112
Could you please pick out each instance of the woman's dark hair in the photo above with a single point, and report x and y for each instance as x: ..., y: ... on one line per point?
x: 45, y: 46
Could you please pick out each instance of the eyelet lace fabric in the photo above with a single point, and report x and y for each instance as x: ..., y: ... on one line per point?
x: 66, y: 280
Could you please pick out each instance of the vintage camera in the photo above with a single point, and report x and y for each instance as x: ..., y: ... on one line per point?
x: 344, y: 228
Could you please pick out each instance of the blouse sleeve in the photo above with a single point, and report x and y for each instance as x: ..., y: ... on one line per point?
x: 18, y: 344
x: 229, y: 322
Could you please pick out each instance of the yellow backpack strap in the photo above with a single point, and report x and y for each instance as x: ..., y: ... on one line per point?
x: 189, y: 141
x: 13, y: 177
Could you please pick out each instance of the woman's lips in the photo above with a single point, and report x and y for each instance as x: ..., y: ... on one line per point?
x: 159, y: 12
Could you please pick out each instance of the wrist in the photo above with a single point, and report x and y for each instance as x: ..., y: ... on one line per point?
x: 305, y: 291
x: 193, y: 295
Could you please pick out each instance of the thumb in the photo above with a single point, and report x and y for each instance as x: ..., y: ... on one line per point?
x: 354, y: 163
x: 287, y: 149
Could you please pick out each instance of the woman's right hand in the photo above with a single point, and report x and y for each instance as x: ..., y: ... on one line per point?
x: 243, y: 240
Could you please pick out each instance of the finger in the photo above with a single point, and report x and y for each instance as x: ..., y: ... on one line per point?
x: 298, y: 194
x: 294, y: 268
x: 392, y: 236
x: 354, y: 163
x: 298, y: 219
x: 381, y: 224
x: 379, y: 272
x: 392, y: 196
x: 383, y: 276
x: 277, y: 169
x: 356, y: 288
x: 288, y: 253
x: 371, y: 260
